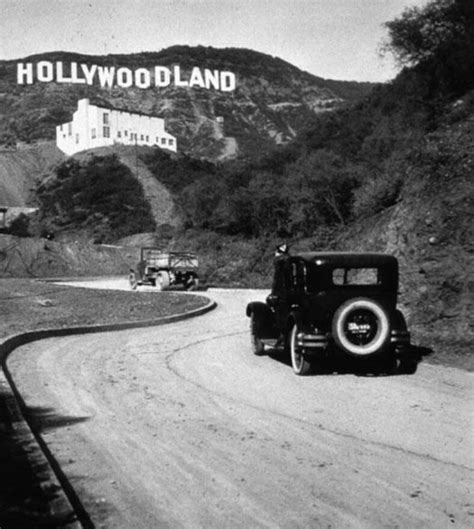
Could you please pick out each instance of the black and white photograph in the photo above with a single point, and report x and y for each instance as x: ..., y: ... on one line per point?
x: 236, y: 264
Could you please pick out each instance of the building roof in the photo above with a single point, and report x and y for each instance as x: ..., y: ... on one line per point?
x: 108, y: 106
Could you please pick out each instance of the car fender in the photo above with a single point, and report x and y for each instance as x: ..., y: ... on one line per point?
x: 294, y: 316
x: 264, y: 319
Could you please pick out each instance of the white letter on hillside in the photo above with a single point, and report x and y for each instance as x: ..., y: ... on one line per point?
x: 212, y: 78
x: 124, y: 77
x: 60, y: 74
x: 196, y: 78
x: 44, y: 71
x: 106, y: 76
x: 142, y: 78
x: 162, y: 76
x: 74, y: 77
x: 89, y: 74
x: 22, y: 70
x: 227, y: 81
x: 177, y: 77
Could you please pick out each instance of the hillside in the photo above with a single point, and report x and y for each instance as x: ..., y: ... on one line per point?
x: 157, y: 195
x: 271, y: 103
x: 20, y: 170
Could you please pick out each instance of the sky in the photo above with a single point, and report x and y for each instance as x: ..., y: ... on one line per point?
x: 334, y: 39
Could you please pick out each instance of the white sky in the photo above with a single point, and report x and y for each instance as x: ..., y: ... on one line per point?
x: 335, y: 39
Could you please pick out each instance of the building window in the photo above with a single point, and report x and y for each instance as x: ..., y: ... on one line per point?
x: 69, y: 129
x: 106, y: 132
x: 93, y: 133
x: 125, y: 132
x: 157, y: 140
x: 119, y: 134
x: 106, y: 119
x: 141, y: 137
x: 77, y: 138
x: 170, y: 142
x: 163, y: 141
x: 147, y: 139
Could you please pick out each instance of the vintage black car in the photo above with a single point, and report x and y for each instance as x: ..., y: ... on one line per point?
x: 328, y: 308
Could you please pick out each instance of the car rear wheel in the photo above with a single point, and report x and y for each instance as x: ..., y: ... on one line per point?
x: 299, y: 362
x: 257, y: 345
x: 361, y: 327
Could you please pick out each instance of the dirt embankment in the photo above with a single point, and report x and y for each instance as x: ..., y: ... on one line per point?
x: 20, y: 169
x: 34, y: 257
x: 431, y: 231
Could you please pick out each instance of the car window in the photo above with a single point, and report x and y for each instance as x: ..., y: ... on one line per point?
x: 356, y: 276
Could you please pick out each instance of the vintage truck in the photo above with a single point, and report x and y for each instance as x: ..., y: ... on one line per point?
x: 164, y: 270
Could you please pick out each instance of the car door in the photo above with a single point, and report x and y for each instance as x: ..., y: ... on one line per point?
x: 284, y: 290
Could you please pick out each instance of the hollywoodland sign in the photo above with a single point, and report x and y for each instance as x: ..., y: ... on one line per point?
x: 110, y: 76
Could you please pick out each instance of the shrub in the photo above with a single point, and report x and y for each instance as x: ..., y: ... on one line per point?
x: 100, y: 195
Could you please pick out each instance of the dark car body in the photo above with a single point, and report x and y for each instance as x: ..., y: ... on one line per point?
x: 334, y: 306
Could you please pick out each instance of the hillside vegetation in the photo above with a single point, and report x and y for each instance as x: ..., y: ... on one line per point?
x: 99, y: 197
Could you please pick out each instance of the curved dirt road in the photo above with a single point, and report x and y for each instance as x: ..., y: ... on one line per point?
x: 180, y: 426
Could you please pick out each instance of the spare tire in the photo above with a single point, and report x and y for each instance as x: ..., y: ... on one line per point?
x: 361, y: 327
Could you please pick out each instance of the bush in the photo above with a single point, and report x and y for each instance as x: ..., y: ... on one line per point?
x: 100, y: 196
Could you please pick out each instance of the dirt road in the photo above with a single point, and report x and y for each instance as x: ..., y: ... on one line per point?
x: 180, y: 426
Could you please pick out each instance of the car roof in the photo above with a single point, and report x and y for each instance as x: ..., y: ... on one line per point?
x: 352, y: 259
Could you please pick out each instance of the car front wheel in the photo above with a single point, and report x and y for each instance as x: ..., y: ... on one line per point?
x: 300, y: 364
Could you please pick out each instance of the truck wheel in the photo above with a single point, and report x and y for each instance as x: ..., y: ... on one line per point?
x: 162, y: 280
x: 361, y: 327
x: 257, y: 345
x: 132, y: 279
x: 300, y: 364
x: 193, y: 283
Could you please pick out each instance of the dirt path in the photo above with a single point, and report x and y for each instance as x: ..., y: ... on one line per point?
x: 180, y: 426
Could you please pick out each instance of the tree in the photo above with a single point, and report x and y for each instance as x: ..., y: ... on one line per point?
x: 438, y: 28
x: 322, y: 184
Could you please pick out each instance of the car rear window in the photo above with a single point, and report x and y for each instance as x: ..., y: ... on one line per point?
x: 355, y: 276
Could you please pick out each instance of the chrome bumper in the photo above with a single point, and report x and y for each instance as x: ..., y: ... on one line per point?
x: 311, y: 341
x: 399, y: 337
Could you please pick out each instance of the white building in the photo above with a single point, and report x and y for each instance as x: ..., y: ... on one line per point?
x: 93, y: 126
